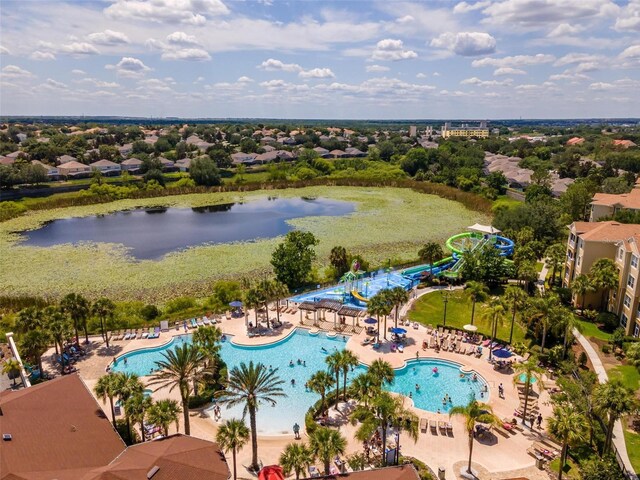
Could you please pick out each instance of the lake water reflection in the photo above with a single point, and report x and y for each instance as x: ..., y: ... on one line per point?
x: 152, y: 232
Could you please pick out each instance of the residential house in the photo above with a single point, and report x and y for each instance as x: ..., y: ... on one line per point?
x: 126, y: 149
x: 184, y: 164
x: 243, y: 158
x: 267, y: 157
x: 607, y: 204
x: 132, y: 165
x: 338, y: 154
x: 65, y: 159
x: 167, y: 165
x: 74, y: 169
x: 354, y: 152
x: 267, y: 140
x: 322, y: 152
x: 52, y: 172
x: 591, y: 241
x: 575, y: 141
x: 7, y: 161
x: 106, y: 167
x: 151, y: 139
x: 17, y: 154
x: 623, y: 143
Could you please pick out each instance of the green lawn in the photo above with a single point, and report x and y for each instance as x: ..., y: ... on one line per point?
x: 571, y: 470
x: 429, y: 309
x: 633, y: 448
x: 249, y: 177
x: 590, y: 329
x: 505, y: 201
x: 627, y: 374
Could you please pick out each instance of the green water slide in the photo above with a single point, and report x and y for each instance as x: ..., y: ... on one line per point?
x: 455, y: 243
x: 426, y: 268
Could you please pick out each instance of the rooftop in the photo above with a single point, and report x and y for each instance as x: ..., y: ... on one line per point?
x: 609, y: 232
x: 624, y: 200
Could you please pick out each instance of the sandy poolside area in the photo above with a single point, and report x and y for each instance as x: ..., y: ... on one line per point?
x: 498, y: 457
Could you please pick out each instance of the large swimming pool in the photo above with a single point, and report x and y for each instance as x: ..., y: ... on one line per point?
x: 307, y: 347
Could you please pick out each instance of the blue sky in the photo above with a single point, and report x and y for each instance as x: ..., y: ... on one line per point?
x: 321, y: 59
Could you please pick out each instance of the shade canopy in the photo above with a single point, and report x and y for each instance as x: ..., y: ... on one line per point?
x: 271, y: 472
x: 398, y: 331
x: 236, y: 304
x: 502, y: 353
x: 476, y: 227
x: 370, y: 320
x: 470, y: 328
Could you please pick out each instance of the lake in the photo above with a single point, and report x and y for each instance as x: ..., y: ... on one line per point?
x: 151, y: 233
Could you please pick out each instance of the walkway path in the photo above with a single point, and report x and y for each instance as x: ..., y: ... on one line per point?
x: 618, y: 434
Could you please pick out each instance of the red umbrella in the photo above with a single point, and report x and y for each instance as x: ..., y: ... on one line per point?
x: 271, y: 472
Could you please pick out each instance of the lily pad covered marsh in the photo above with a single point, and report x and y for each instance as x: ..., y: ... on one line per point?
x: 388, y: 223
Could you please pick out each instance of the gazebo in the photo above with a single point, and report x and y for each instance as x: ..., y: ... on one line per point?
x: 308, y: 307
x: 484, y: 229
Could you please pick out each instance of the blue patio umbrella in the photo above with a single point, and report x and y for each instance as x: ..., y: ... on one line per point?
x: 236, y: 304
x: 398, y: 331
x: 370, y: 320
x: 502, y: 353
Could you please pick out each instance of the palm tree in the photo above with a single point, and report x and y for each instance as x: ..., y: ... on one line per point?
x: 60, y: 330
x: 250, y: 385
x: 339, y: 260
x: 568, y: 324
x: 12, y: 367
x: 34, y: 343
x: 279, y: 291
x: 605, y: 275
x: 531, y: 371
x: 135, y: 408
x: 296, y: 457
x: 555, y: 255
x: 363, y: 387
x: 545, y: 311
x: 180, y: 368
x: 580, y: 286
x: 252, y: 300
x: 77, y: 307
x: 381, y: 372
x: 103, y: 308
x: 472, y: 413
x: 477, y: 291
x: 29, y: 318
x: 334, y: 364
x: 126, y: 386
x: 431, y: 252
x: 106, y: 388
x: 232, y: 435
x: 379, y: 305
x: 208, y: 339
x: 496, y: 314
x: 614, y: 400
x: 349, y: 361
x: 264, y: 291
x: 398, y: 296
x: 325, y: 444
x: 568, y: 425
x: 515, y: 296
x: 319, y: 383
x: 385, y: 410
x: 163, y: 413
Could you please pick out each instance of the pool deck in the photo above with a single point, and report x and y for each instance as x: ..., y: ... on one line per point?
x: 493, y: 459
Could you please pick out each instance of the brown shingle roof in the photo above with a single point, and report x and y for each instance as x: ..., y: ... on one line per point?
x: 58, y: 431
x: 605, y: 231
x: 401, y: 472
x: 177, y: 457
x: 625, y: 200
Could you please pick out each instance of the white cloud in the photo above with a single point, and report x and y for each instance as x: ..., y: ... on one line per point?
x: 50, y: 82
x: 571, y: 58
x: 245, y: 79
x: 272, y: 65
x: 464, y: 7
x: 99, y: 83
x: 79, y: 48
x: 317, y: 73
x: 192, y: 54
x: 77, y: 71
x: 565, y: 29
x: 129, y: 67
x: 623, y: 83
x: 630, y: 56
x: 13, y: 71
x: 466, y: 44
x: 154, y: 85
x: 193, y: 12
x: 181, y: 38
x: 508, y: 71
x: 376, y: 68
x: 393, y: 50
x: 568, y: 75
x: 38, y: 55
x: 486, y: 83
x: 108, y: 38
x: 4, y: 51
x: 421, y: 75
x: 514, y: 61
x: 629, y: 19
x: 541, y: 13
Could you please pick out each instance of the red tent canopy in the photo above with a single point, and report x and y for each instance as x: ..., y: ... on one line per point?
x: 271, y: 472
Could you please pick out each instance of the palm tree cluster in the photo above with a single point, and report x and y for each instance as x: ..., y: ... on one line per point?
x: 384, y: 302
x: 545, y: 313
x: 603, y: 275
x: 341, y: 362
x: 263, y: 293
x: 139, y: 408
x: 324, y: 445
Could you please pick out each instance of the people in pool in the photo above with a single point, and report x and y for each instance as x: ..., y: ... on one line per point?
x: 291, y: 363
x: 475, y: 377
x: 299, y: 362
x: 324, y: 350
x: 417, y: 387
x: 293, y: 382
x: 410, y: 394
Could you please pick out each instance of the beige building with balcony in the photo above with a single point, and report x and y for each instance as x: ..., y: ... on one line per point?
x: 590, y: 241
x: 607, y: 204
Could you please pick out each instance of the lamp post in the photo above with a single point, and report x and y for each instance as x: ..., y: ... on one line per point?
x: 445, y: 299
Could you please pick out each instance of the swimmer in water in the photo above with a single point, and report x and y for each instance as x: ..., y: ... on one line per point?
x: 417, y: 387
x: 324, y: 349
x: 410, y: 395
x: 293, y: 381
x: 291, y: 363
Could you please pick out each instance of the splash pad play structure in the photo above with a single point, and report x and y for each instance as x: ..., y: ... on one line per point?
x: 357, y: 287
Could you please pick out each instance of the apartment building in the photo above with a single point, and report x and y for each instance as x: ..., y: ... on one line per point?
x: 590, y: 241
x: 465, y: 130
x: 607, y: 204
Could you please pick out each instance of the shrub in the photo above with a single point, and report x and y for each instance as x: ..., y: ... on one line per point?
x: 601, y: 469
x: 608, y: 320
x: 204, y: 397
x: 590, y: 315
x: 617, y: 338
x: 606, y: 349
x: 564, y: 294
x: 10, y: 210
x: 180, y: 304
x: 582, y: 359
x: 424, y: 472
x: 149, y: 312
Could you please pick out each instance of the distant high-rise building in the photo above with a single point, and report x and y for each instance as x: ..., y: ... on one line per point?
x: 413, y: 131
x: 481, y: 130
